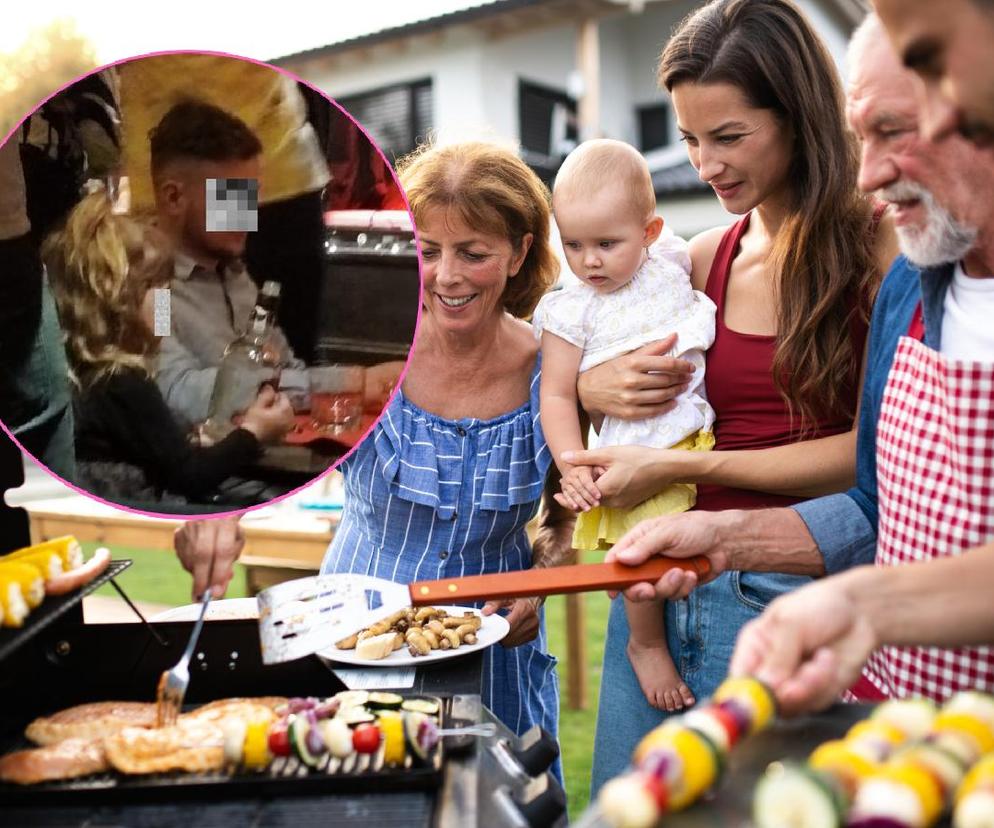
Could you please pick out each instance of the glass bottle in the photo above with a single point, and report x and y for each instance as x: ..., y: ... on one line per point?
x: 251, y: 360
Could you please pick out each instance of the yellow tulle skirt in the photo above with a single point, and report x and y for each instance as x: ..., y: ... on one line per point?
x: 603, y: 526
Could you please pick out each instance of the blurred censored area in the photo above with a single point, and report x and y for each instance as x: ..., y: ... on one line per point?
x: 184, y: 245
x: 232, y: 204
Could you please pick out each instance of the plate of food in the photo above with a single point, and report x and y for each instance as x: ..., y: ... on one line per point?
x: 418, y: 635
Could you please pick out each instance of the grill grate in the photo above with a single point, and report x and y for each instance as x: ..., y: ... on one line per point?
x: 284, y: 776
x: 391, y: 810
x: 53, y: 608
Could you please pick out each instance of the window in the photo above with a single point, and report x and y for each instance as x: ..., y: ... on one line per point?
x: 396, y: 117
x: 654, y: 126
x: 548, y: 127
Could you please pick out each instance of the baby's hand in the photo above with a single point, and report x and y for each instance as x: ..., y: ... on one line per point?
x: 579, y: 493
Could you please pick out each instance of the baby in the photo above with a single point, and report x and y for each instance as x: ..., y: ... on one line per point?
x: 634, y: 288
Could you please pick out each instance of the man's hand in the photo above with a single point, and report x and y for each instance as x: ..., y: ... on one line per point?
x: 809, y: 645
x: 208, y: 549
x: 523, y: 619
x: 676, y: 536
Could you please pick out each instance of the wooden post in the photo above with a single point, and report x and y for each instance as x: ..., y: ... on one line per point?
x: 588, y: 63
x: 576, y: 653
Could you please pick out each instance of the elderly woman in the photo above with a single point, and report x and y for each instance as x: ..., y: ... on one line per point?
x: 457, y: 465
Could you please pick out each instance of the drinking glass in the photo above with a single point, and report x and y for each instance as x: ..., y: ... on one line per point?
x: 336, y: 396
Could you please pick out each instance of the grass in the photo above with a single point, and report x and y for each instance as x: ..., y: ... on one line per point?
x: 576, y: 727
x: 157, y: 577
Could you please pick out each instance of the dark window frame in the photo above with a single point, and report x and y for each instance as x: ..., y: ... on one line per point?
x: 353, y: 105
x: 543, y: 160
x: 648, y: 110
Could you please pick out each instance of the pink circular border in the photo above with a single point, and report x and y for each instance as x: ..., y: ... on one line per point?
x: 417, y: 326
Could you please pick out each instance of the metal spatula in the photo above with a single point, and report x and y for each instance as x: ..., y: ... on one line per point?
x: 301, y: 617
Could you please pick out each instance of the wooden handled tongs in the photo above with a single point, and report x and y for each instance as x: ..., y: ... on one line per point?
x: 554, y: 580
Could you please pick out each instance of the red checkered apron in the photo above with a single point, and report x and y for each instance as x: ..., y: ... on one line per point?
x: 935, y: 476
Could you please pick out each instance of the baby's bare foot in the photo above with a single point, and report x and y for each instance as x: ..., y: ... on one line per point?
x: 658, y: 677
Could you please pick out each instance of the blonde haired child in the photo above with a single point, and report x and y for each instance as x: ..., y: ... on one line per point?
x: 634, y: 288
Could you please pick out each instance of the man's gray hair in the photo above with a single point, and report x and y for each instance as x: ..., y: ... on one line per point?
x: 870, y: 30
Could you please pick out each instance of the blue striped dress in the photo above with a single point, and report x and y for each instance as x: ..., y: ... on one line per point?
x: 427, y: 498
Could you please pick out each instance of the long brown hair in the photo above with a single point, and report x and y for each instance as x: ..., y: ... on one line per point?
x: 822, y: 256
x: 100, y: 265
x: 494, y: 192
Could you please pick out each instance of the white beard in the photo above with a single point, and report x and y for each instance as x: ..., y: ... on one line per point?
x: 941, y: 239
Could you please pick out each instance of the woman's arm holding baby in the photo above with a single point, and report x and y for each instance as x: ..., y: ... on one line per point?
x: 806, y: 469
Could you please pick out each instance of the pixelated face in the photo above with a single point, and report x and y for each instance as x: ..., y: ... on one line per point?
x: 232, y: 204
x: 217, y: 212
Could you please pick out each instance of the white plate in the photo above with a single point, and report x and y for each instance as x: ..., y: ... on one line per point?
x: 222, y: 609
x: 493, y: 629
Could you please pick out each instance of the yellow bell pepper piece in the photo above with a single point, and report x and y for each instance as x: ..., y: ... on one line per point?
x: 981, y: 775
x: 754, y: 694
x: 255, y: 751
x: 392, y: 728
x: 875, y: 728
x: 839, y: 758
x: 973, y: 727
x: 919, y: 780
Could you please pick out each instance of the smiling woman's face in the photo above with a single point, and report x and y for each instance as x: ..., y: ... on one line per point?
x: 744, y: 153
x: 465, y: 271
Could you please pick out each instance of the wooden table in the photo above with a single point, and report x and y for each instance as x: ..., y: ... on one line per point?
x: 282, y: 544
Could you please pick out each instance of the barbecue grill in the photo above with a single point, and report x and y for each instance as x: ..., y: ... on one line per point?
x: 56, y: 661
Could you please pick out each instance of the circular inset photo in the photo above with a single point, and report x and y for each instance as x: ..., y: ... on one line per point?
x: 219, y: 283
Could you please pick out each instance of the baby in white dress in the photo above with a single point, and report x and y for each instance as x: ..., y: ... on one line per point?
x: 634, y: 288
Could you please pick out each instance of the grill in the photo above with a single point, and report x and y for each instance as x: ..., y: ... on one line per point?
x: 58, y: 661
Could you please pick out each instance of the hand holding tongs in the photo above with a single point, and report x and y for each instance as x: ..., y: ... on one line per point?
x: 305, y: 616
x: 173, y: 683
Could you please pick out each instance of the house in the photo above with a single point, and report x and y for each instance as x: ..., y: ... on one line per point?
x: 541, y: 73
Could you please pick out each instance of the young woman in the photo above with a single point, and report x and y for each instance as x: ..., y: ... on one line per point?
x: 760, y: 106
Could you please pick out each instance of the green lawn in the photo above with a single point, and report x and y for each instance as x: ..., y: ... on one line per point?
x: 156, y: 576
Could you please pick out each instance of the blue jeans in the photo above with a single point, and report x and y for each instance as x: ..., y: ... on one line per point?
x: 700, y: 633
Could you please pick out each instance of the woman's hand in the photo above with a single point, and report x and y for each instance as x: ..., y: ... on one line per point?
x: 637, y: 385
x: 523, y: 619
x: 627, y: 475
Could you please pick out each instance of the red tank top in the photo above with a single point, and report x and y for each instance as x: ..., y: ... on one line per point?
x: 749, y: 411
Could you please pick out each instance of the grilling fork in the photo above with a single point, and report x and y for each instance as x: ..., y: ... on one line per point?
x: 173, y: 683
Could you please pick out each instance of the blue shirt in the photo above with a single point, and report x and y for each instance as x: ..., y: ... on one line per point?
x: 845, y: 525
x: 429, y: 498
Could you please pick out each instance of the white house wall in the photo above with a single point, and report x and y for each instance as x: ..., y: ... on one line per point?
x: 544, y: 56
x: 475, y: 76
